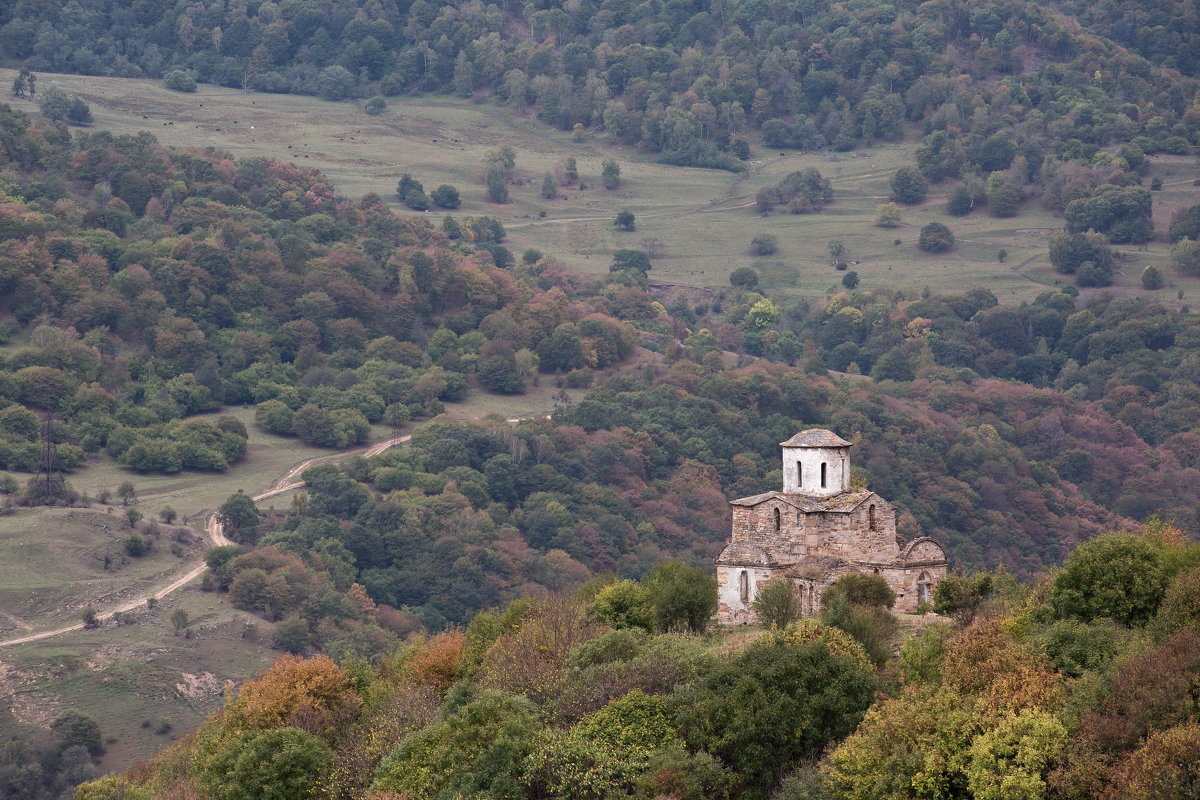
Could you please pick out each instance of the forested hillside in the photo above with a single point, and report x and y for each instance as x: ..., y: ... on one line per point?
x: 147, y: 286
x: 685, y: 80
x: 516, y: 609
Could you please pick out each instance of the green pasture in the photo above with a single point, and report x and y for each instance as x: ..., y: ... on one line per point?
x: 52, y: 565
x: 268, y: 457
x: 704, y: 219
x: 134, y: 677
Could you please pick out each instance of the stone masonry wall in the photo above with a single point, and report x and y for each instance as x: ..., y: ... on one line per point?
x: 903, y: 581
x: 730, y: 608
x: 846, y: 535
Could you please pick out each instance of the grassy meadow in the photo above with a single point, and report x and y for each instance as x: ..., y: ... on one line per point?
x: 143, y: 683
x: 52, y: 565
x: 268, y: 457
x: 704, y: 219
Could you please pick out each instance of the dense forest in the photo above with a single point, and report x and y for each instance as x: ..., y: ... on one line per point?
x: 685, y: 80
x: 1079, y: 687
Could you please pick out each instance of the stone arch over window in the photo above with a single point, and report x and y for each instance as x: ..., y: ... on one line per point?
x: 871, y: 517
x: 744, y: 586
x: 924, y: 588
x: 777, y: 516
x: 823, y: 470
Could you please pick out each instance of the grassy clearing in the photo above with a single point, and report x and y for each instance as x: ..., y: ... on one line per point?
x: 267, y: 457
x: 134, y: 678
x: 704, y: 218
x: 52, y: 565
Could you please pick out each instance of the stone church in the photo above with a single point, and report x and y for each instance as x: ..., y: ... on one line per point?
x: 816, y: 530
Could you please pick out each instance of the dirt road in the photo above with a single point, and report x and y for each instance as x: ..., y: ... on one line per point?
x: 215, y: 533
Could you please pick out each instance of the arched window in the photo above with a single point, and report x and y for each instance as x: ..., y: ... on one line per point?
x: 777, y: 516
x: 924, y: 588
x: 799, y: 474
x: 744, y: 586
x: 871, y: 517
x: 823, y: 465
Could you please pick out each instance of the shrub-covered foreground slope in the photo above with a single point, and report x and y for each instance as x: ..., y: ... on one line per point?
x: 1080, y: 687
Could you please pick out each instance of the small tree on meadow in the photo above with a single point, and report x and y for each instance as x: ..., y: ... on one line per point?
x: 630, y: 259
x: 764, y: 245
x: 887, y: 215
x: 936, y: 238
x: 743, y: 278
x: 179, y: 620
x: 1152, y: 278
x: 446, y: 196
x: 180, y: 80
x: 624, y: 220
x: 55, y: 104
x: 837, y: 249
x: 74, y: 729
x: 240, y: 516
x: 610, y: 174
x: 909, y: 185
x: 549, y: 187
x: 496, y: 180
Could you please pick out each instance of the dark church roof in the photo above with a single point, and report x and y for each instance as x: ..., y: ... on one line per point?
x: 816, y: 437
x: 746, y: 554
x: 846, y: 501
x: 819, y: 567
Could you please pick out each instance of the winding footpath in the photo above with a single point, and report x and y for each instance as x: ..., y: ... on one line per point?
x: 215, y: 534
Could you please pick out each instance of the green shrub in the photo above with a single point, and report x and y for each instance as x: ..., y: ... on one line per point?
x: 770, y: 706
x: 935, y: 238
x: 479, y: 745
x: 180, y: 80
x: 684, y: 597
x: 776, y: 603
x: 624, y: 604
x: 1119, y: 575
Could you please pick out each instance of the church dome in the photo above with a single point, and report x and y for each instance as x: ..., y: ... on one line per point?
x: 816, y: 437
